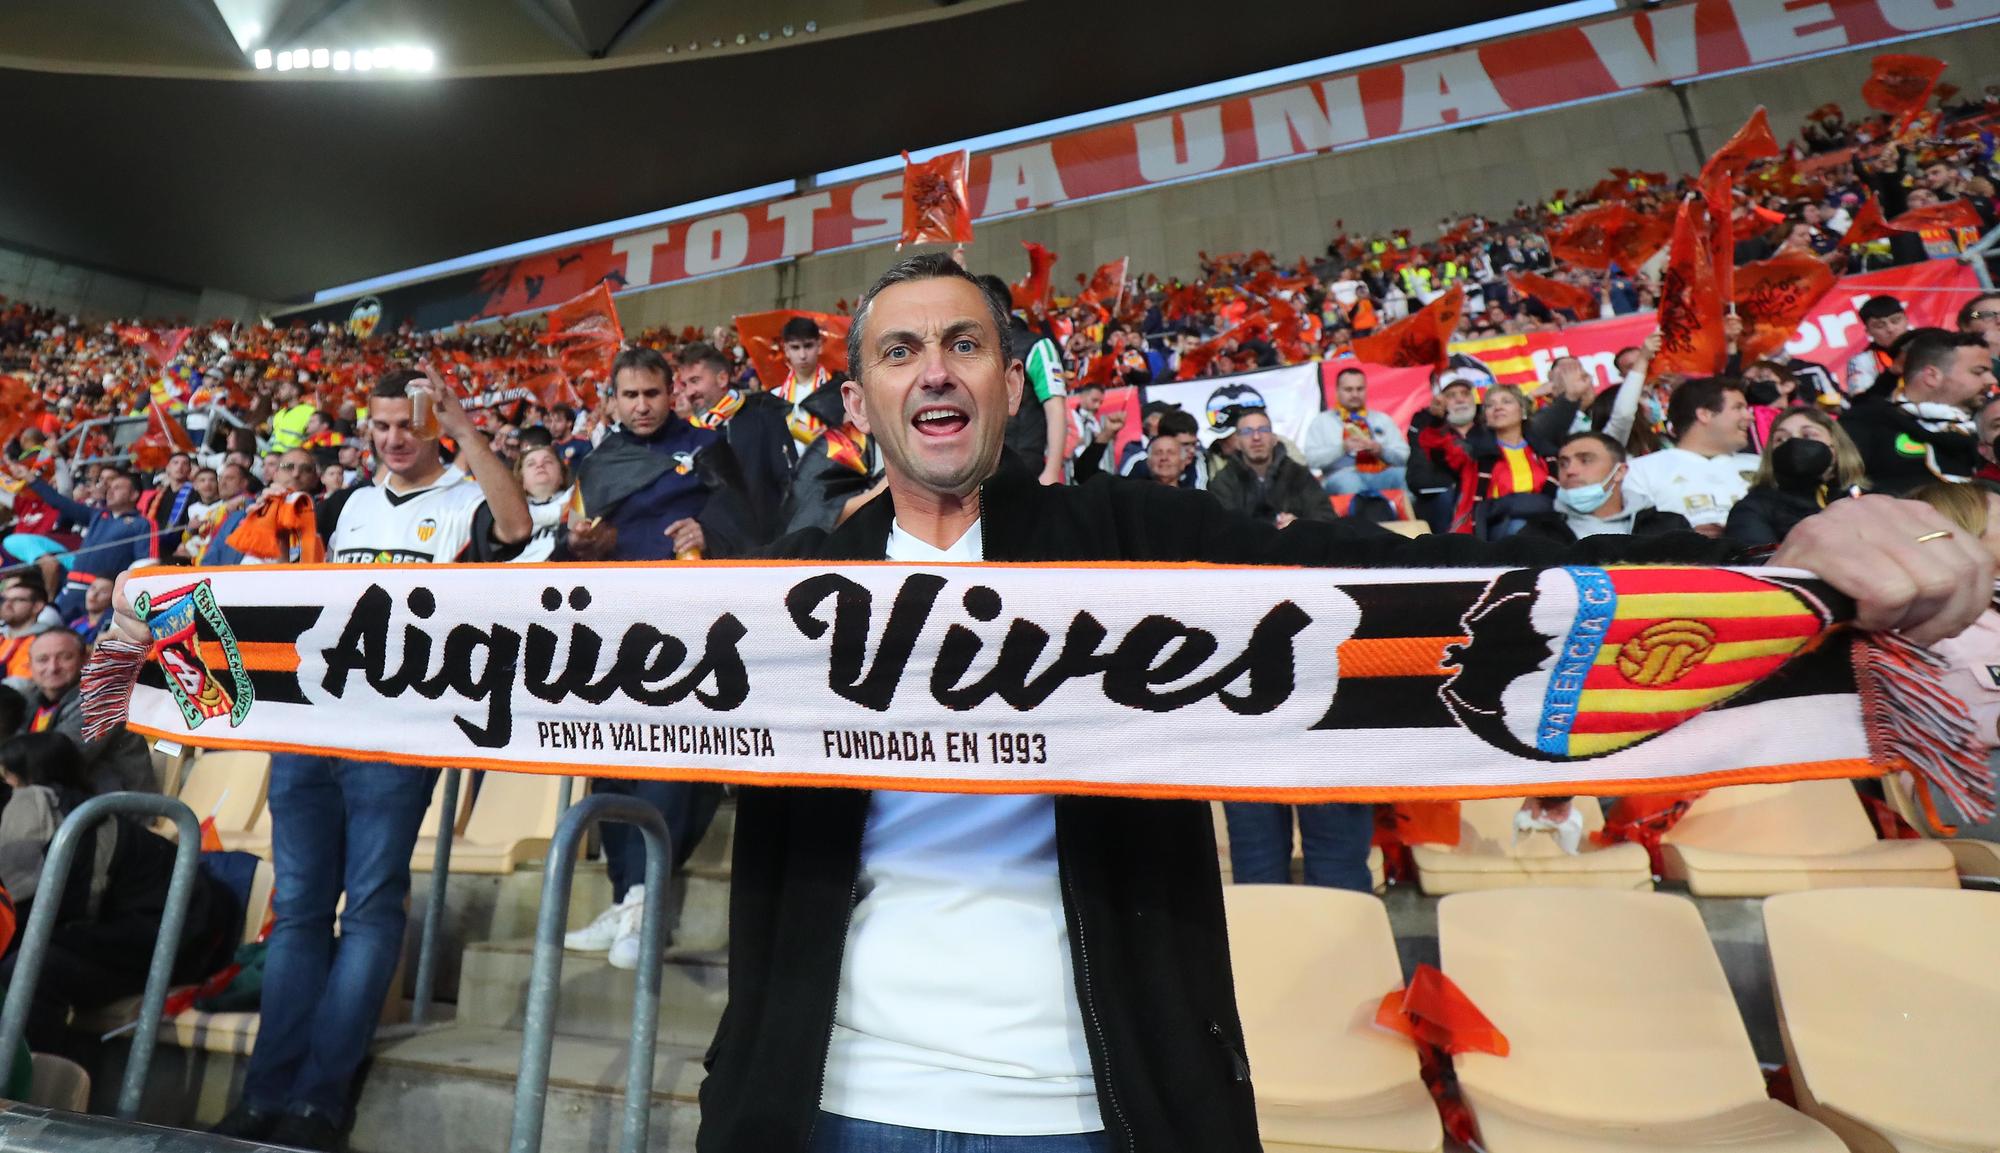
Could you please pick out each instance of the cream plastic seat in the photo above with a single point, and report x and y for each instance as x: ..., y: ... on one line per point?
x: 59, y: 1083
x: 513, y: 819
x: 1755, y: 840
x: 1622, y: 1029
x: 1487, y: 857
x: 228, y: 785
x: 256, y: 839
x: 1312, y: 964
x: 1890, y: 1007
x: 1975, y: 858
x: 1378, y: 877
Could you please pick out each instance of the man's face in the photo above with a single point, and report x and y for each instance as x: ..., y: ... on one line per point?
x: 98, y: 597
x: 1732, y: 424
x: 1584, y: 462
x: 1165, y: 459
x: 1921, y: 197
x: 397, y: 445
x: 1255, y: 441
x: 803, y: 358
x: 120, y: 494
x: 702, y: 385
x: 1989, y: 428
x: 288, y: 394
x: 1939, y: 177
x: 935, y: 386
x: 297, y: 472
x: 178, y: 468
x: 316, y: 424
x: 18, y: 606
x: 1970, y: 377
x: 1883, y: 330
x: 1459, y: 401
x: 233, y: 481
x: 350, y: 455
x: 1090, y: 400
x: 1984, y: 318
x: 641, y: 401
x: 54, y: 661
x: 268, y: 469
x: 1352, y: 391
x: 559, y: 426
x: 205, y: 486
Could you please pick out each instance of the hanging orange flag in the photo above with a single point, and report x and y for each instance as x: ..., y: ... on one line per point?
x: 1585, y: 237
x: 1580, y: 301
x: 1691, y: 337
x: 1773, y: 296
x: 587, y: 332
x: 761, y: 334
x: 935, y: 210
x: 1421, y: 340
x: 1901, y: 84
x: 1031, y: 292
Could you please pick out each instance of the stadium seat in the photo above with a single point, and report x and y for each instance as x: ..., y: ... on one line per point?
x: 1622, y: 1030
x: 1408, y: 527
x: 513, y: 818
x: 1755, y: 840
x: 1890, y: 1008
x: 1378, y: 876
x: 256, y: 839
x: 1311, y: 967
x: 1976, y: 858
x: 227, y: 785
x: 59, y: 1083
x: 1487, y: 857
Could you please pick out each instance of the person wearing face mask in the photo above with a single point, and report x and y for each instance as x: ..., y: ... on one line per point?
x: 1590, y: 498
x: 1771, y: 389
x: 1807, y: 463
x: 1504, y: 476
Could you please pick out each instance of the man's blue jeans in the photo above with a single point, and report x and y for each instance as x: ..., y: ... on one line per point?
x: 1335, y: 839
x: 336, y: 826
x: 1349, y: 481
x: 836, y: 1134
x: 687, y: 806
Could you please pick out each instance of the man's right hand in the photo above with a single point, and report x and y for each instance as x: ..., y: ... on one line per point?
x: 124, y: 621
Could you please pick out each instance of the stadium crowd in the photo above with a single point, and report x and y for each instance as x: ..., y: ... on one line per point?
x: 278, y: 443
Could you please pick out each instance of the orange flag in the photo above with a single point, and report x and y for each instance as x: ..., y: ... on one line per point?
x: 935, y: 210
x: 19, y: 406
x: 1107, y: 284
x: 1691, y: 337
x: 1031, y: 292
x: 760, y: 334
x: 1641, y: 237
x: 1752, y: 142
x: 162, y: 423
x: 1950, y: 214
x: 1554, y: 293
x: 588, y: 333
x: 1901, y: 84
x: 1585, y: 237
x: 1422, y: 340
x: 1867, y: 224
x: 1773, y: 296
x: 1435, y: 1011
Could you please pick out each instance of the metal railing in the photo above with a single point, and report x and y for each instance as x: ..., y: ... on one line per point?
x: 36, y: 1129
x: 544, y: 985
x: 42, y: 925
x: 427, y: 941
x: 1976, y: 257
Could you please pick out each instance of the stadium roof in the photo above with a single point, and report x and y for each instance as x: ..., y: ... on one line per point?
x: 156, y: 147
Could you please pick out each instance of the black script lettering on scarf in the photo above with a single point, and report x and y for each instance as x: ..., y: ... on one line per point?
x: 1157, y: 651
x: 645, y: 658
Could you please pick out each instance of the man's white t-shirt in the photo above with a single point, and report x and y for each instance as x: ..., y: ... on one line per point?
x: 1701, y: 488
x: 957, y: 1007
x: 425, y: 526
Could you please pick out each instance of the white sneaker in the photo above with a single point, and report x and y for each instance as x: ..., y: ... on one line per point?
x: 603, y: 932
x: 625, y: 950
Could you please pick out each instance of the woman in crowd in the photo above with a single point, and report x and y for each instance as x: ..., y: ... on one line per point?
x: 110, y: 910
x: 545, y: 479
x: 1503, y: 467
x: 1772, y: 391
x: 1973, y: 656
x: 1807, y: 462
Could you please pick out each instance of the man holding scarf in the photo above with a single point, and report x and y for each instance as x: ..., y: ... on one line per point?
x: 1052, y: 973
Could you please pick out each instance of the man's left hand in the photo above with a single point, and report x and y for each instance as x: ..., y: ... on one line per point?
x: 1868, y: 548
x: 687, y: 535
x: 1052, y: 473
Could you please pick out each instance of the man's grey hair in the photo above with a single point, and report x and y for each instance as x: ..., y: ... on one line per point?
x: 927, y: 266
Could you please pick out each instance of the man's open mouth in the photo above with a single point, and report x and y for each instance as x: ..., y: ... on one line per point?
x: 939, y: 420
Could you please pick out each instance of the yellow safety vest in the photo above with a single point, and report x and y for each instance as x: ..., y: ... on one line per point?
x: 288, y: 427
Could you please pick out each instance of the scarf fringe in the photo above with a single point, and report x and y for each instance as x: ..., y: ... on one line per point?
x: 1914, y: 722
x: 107, y: 682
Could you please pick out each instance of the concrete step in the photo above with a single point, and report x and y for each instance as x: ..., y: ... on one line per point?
x: 451, y: 1090
x: 596, y: 999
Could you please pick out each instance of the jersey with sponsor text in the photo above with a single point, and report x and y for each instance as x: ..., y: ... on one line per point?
x: 447, y: 521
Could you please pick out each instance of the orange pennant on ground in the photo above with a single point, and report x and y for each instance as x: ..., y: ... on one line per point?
x: 1773, y: 296
x: 1900, y: 83
x: 1691, y: 337
x: 1421, y: 340
x: 935, y: 210
x: 1578, y: 300
x: 1031, y: 292
x: 761, y: 334
x: 1585, y: 237
x: 1431, y: 1010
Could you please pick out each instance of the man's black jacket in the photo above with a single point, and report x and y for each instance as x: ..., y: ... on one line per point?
x: 1900, y: 453
x: 1142, y: 891
x: 762, y: 444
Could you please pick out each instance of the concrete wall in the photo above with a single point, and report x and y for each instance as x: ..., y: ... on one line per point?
x: 1289, y: 209
x: 97, y: 296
